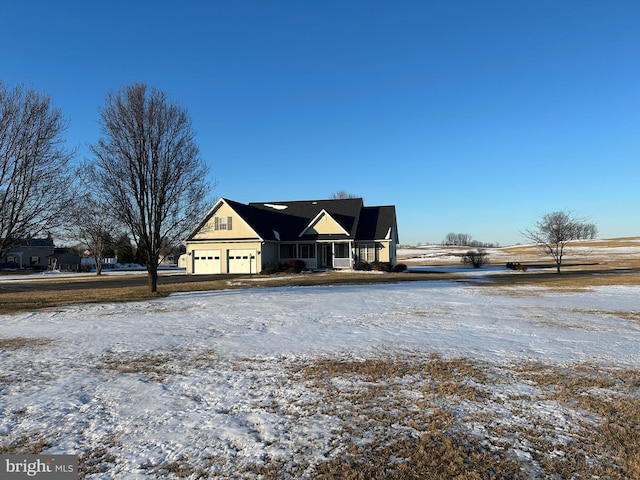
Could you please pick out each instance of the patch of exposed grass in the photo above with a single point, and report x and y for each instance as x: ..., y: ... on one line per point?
x: 155, y: 366
x: 412, y: 417
x: 16, y: 343
x: 633, y: 316
x: 606, y: 446
x: 434, y: 451
x: 97, y: 459
x: 397, y: 428
x: 27, y: 445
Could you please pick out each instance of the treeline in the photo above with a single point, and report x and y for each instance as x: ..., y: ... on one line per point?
x: 466, y: 240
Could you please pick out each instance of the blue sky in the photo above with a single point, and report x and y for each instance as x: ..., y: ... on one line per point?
x: 470, y: 116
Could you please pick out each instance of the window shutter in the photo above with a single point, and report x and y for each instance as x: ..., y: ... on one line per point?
x: 229, y: 223
x: 216, y: 226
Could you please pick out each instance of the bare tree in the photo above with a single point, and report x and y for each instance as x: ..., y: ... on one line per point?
x: 35, y: 178
x: 476, y: 258
x: 94, y: 227
x: 341, y: 195
x: 555, y: 230
x: 149, y: 169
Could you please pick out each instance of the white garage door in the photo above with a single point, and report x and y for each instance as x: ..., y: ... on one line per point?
x: 206, y: 261
x: 242, y: 261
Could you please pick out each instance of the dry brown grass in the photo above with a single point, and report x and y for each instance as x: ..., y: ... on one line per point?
x: 407, y: 417
x: 607, y: 442
x: 154, y: 366
x: 15, y: 343
x: 97, y: 458
x: 27, y: 445
x: 416, y: 416
x: 394, y: 433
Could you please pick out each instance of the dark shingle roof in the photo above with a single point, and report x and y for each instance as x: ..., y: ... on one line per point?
x: 375, y: 222
x: 286, y: 221
x: 290, y: 219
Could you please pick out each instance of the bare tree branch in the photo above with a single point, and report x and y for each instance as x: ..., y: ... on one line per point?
x: 35, y: 178
x: 149, y: 168
x: 341, y: 195
x: 555, y: 230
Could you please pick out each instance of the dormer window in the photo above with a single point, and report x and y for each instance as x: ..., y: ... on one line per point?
x: 222, y: 223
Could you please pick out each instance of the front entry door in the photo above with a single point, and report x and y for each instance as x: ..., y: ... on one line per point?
x: 326, y: 256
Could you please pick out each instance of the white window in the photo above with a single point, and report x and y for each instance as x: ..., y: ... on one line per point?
x: 222, y: 223
x: 367, y: 252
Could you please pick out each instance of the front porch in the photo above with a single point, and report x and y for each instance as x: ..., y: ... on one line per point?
x: 319, y: 256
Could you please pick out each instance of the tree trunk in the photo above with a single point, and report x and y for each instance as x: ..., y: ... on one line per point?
x: 98, y: 262
x: 153, y: 279
x: 558, y: 267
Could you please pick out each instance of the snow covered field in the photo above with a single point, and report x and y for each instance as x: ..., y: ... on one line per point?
x: 209, y: 384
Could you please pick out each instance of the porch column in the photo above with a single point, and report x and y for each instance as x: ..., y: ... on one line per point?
x: 333, y: 255
x: 351, y: 254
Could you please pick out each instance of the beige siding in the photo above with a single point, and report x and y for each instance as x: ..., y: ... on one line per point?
x: 239, y: 229
x: 325, y: 224
x: 384, y: 252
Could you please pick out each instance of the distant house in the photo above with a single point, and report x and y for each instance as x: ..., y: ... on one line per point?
x: 64, y: 261
x: 30, y: 253
x: 326, y: 234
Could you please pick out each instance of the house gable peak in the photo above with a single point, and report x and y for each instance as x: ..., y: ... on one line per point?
x: 324, y: 224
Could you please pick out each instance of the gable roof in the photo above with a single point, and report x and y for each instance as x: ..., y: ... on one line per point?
x: 290, y: 220
x: 310, y: 229
x: 377, y: 223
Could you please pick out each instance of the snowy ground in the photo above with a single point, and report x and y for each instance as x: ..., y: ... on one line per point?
x: 200, y: 385
x: 590, y: 250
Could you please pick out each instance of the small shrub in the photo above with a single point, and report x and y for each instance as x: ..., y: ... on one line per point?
x: 289, y: 266
x: 381, y: 266
x: 400, y: 267
x: 476, y: 258
x: 361, y: 265
x: 294, y: 266
x: 271, y: 268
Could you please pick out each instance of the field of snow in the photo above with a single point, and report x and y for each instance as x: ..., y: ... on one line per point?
x: 598, y: 250
x: 208, y: 384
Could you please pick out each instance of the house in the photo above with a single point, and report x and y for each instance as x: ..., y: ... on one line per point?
x: 326, y: 234
x: 64, y: 261
x: 29, y: 253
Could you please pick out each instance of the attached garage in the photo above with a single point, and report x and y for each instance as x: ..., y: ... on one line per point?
x: 206, y: 261
x: 242, y: 261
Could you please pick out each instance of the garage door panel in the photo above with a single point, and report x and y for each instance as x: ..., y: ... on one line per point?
x: 206, y: 261
x: 242, y: 261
